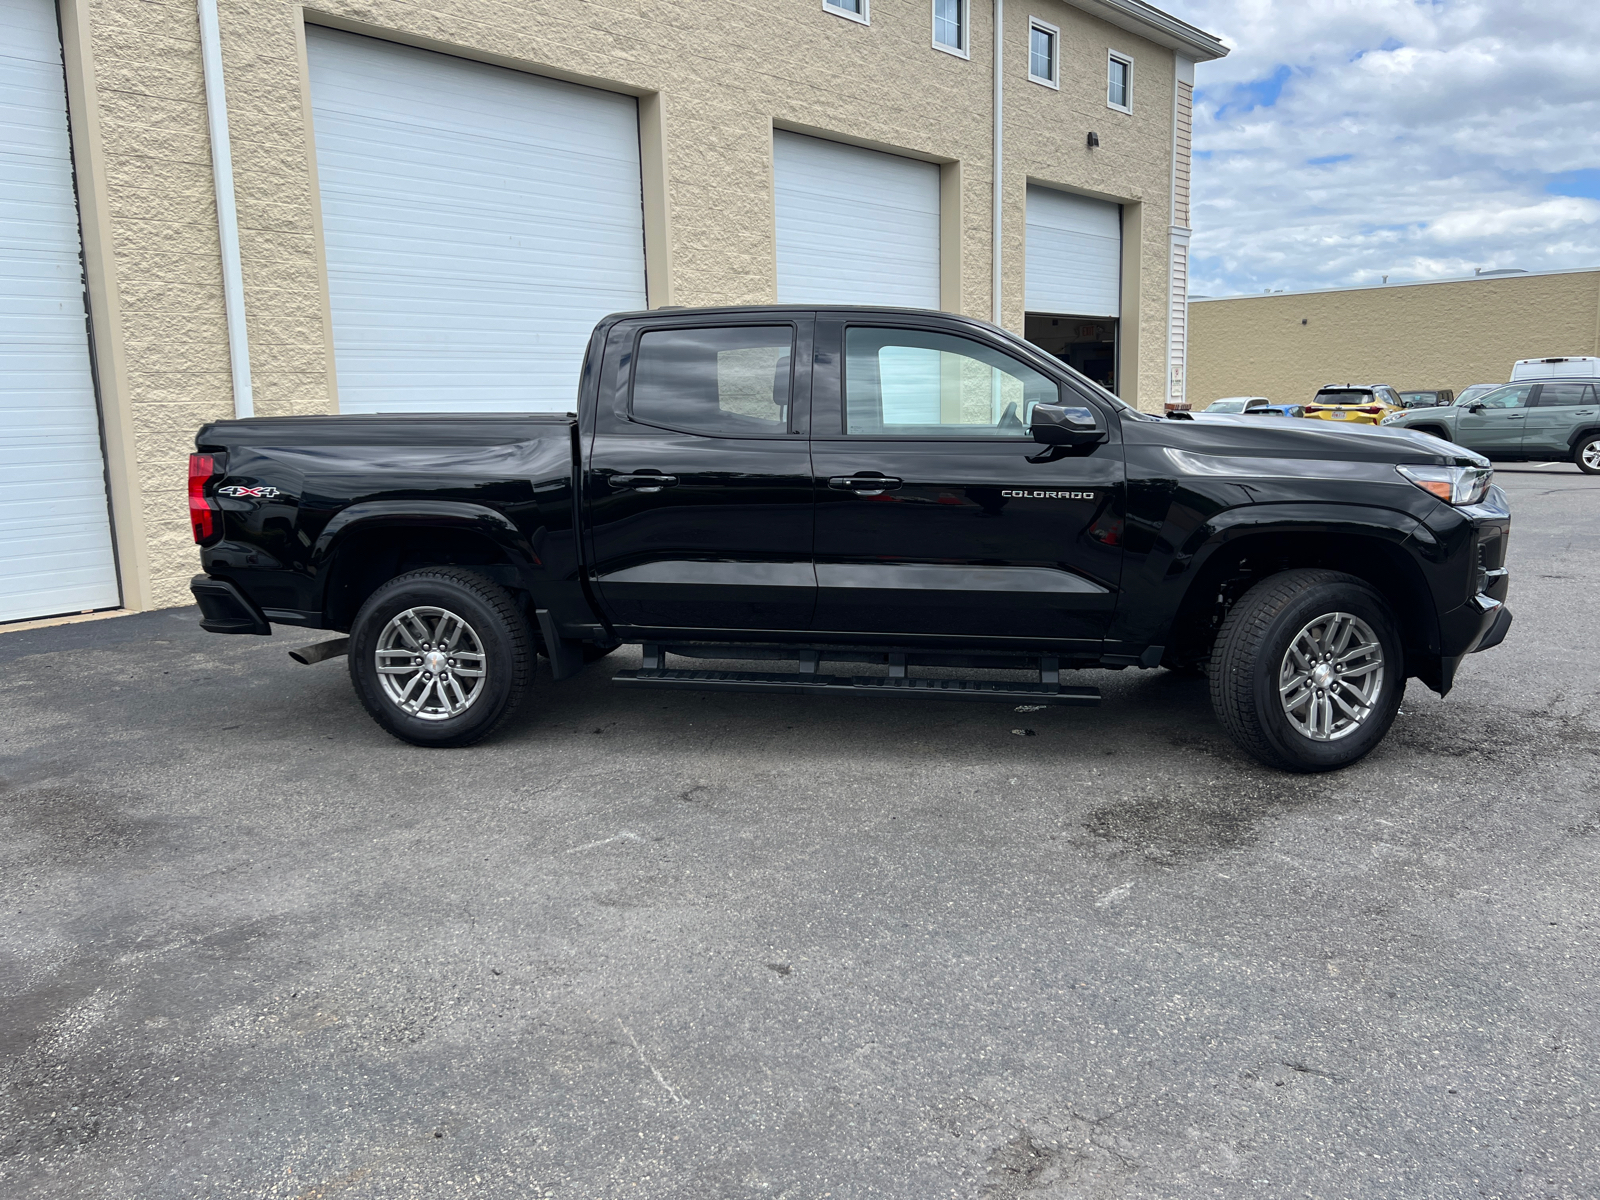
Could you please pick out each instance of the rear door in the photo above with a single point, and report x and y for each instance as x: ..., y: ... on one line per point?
x: 937, y: 513
x: 1496, y: 429
x: 697, y: 484
x: 1557, y: 409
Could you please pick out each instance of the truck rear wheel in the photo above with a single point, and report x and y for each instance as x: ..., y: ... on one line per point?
x: 1308, y: 670
x: 441, y: 656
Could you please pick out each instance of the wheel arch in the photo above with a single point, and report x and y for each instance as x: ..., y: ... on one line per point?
x: 1234, y: 559
x: 366, y: 545
x: 1438, y: 431
x: 1581, y: 435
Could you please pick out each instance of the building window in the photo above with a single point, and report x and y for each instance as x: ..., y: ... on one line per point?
x: 1119, y: 82
x: 1044, y: 53
x: 856, y: 10
x: 950, y: 26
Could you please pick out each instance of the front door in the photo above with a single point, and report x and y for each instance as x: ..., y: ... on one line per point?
x: 1558, y: 409
x: 698, y: 485
x: 937, y: 513
x: 1496, y: 430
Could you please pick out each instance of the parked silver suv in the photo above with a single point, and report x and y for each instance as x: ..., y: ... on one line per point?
x: 1541, y: 420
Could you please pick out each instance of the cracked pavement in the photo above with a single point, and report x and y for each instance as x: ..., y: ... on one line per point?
x: 725, y: 946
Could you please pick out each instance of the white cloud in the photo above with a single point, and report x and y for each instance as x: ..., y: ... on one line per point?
x: 1440, y: 126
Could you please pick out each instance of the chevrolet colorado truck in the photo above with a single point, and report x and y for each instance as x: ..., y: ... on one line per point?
x: 858, y: 498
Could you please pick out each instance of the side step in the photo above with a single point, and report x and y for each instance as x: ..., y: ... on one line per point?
x: 809, y: 683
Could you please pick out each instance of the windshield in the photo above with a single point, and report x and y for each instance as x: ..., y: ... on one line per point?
x: 1476, y: 390
x: 1419, y: 399
x: 1226, y: 406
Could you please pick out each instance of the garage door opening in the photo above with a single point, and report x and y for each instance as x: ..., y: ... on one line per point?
x: 1087, y: 344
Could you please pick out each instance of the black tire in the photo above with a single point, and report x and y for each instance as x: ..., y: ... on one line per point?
x: 1252, y: 648
x: 1438, y: 431
x: 506, y: 650
x: 1587, y: 455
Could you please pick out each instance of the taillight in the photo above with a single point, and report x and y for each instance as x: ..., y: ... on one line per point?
x: 202, y: 511
x: 1374, y: 409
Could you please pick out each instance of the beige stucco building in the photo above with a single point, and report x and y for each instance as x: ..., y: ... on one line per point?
x: 1449, y: 334
x: 389, y: 161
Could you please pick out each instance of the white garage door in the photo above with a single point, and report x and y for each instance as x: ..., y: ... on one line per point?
x: 855, y: 226
x: 55, y: 529
x: 478, y: 222
x: 1074, y: 254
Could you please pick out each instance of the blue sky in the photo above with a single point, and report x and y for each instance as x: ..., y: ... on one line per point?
x: 1345, y: 140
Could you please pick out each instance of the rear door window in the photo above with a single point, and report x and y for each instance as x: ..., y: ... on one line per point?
x: 726, y: 381
x: 1565, y: 395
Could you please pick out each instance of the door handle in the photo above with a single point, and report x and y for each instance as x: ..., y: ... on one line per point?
x: 864, y: 485
x: 1516, y: 416
x: 643, y: 483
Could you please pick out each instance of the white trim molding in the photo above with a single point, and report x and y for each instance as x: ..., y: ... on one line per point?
x: 1155, y: 26
x: 838, y: 9
x: 1035, y: 25
x: 997, y: 169
x: 1113, y: 57
x: 963, y: 29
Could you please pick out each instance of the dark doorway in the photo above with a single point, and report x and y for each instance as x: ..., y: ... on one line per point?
x: 1087, y: 344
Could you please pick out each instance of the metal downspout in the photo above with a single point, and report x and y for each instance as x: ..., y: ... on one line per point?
x: 999, y: 159
x: 227, y: 213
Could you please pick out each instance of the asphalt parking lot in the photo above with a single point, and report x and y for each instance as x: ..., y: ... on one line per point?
x: 766, y: 947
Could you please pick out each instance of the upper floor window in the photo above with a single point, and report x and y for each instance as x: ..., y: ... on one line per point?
x: 950, y: 26
x: 1119, y: 82
x: 1044, y: 53
x: 856, y: 10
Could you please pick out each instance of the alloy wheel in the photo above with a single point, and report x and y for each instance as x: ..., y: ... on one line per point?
x: 1590, y: 455
x: 1331, y: 676
x: 431, y: 663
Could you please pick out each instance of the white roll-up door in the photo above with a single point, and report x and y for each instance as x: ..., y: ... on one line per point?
x: 855, y: 226
x: 1074, y: 259
x: 478, y: 222
x: 55, y: 527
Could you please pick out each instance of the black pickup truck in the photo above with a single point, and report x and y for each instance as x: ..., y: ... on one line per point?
x: 885, y: 492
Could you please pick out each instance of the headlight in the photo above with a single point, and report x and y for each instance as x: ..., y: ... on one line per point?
x: 1391, y: 418
x: 1453, y: 485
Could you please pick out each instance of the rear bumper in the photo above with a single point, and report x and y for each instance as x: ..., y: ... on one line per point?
x: 225, y: 609
x: 1344, y: 417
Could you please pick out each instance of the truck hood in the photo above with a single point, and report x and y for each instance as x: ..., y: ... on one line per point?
x: 1290, y: 437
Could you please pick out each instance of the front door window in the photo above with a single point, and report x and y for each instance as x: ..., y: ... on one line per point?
x: 912, y: 383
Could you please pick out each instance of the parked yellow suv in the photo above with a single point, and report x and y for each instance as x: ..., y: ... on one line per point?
x: 1357, y: 403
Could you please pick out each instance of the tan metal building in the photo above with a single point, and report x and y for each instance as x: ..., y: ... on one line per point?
x: 1449, y: 334
x: 386, y: 205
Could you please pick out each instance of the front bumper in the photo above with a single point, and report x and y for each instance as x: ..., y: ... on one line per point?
x: 1497, y: 630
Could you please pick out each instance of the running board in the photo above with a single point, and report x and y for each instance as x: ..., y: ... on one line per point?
x: 809, y: 683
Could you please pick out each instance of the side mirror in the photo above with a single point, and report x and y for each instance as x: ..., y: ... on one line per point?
x: 1066, y: 425
x: 1474, y: 408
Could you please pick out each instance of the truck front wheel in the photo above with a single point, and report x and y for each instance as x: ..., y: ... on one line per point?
x: 441, y: 656
x: 1308, y: 670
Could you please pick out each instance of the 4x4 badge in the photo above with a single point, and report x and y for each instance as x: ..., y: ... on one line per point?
x: 233, y: 489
